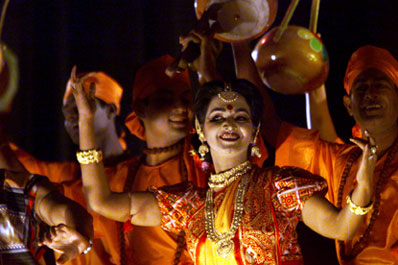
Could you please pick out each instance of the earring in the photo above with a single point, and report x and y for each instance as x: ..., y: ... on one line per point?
x: 255, y: 149
x: 203, y: 148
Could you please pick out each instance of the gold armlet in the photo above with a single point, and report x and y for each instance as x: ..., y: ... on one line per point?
x: 89, y: 156
x: 358, y: 210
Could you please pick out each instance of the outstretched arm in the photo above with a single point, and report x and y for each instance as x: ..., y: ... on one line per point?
x: 53, y: 208
x: 325, y: 219
x: 318, y: 115
x: 140, y: 207
x: 55, y: 211
x: 71, y: 226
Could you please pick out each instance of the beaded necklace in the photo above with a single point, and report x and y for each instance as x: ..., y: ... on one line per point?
x: 362, y: 242
x: 157, y: 150
x: 221, y: 180
x: 224, y: 241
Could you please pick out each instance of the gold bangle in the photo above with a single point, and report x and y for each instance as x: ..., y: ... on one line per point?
x: 358, y: 210
x: 86, y: 157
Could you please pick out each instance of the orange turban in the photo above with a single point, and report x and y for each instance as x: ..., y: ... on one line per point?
x: 148, y: 79
x: 106, y: 88
x: 370, y: 57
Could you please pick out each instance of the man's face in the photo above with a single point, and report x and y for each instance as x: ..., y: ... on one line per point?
x: 104, y: 116
x: 373, y: 101
x: 168, y: 113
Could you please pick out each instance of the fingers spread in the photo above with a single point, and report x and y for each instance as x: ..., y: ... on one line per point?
x: 359, y: 142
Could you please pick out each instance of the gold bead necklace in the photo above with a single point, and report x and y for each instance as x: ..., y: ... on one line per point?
x: 223, y: 241
x: 223, y: 179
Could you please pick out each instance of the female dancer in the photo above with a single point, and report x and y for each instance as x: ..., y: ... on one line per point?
x: 247, y: 215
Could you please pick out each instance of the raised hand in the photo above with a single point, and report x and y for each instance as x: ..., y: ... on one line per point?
x: 368, y: 161
x: 210, y: 48
x: 85, y: 101
x: 66, y: 241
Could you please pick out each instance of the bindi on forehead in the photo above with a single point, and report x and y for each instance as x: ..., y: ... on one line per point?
x: 230, y: 107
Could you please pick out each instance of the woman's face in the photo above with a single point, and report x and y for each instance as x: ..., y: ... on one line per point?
x: 228, y: 127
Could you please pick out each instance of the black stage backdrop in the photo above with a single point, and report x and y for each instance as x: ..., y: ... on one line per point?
x: 50, y: 37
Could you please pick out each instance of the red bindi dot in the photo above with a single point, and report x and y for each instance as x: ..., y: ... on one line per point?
x: 229, y: 107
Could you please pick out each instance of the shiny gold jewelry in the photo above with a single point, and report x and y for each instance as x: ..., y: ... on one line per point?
x: 225, y: 178
x: 373, y: 150
x: 255, y: 149
x: 224, y: 241
x: 86, y: 157
x: 90, y: 246
x: 228, y: 95
x: 203, y: 148
x: 358, y: 210
x: 199, y: 130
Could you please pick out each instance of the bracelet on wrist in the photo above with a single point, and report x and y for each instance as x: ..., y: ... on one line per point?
x: 91, y: 156
x: 358, y: 210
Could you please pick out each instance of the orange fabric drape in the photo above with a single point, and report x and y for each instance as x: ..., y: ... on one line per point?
x: 303, y: 148
x: 158, y: 245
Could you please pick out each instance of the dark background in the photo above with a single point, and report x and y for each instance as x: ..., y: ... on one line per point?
x: 49, y: 37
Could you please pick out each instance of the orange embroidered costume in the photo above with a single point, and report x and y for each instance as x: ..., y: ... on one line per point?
x: 272, y: 206
x: 376, y: 242
x: 153, y: 245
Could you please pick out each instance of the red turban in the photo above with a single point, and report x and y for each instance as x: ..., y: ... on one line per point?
x: 370, y: 57
x: 106, y: 88
x: 148, y: 79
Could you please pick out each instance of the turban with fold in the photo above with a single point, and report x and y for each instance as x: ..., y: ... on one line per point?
x: 106, y: 88
x: 148, y: 79
x: 370, y: 57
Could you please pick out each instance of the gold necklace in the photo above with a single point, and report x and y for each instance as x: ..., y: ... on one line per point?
x: 223, y: 179
x: 223, y: 241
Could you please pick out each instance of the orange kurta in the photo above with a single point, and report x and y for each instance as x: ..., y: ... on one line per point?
x: 144, y: 245
x: 106, y: 248
x: 153, y: 245
x: 303, y: 148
